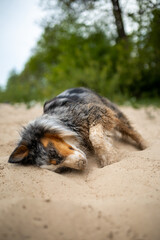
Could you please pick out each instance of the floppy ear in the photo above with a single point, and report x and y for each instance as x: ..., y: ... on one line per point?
x: 18, y: 154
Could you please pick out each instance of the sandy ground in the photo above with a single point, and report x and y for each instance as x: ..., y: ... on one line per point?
x: 120, y: 201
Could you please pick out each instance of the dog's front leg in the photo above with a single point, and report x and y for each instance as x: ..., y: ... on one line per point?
x: 102, y: 144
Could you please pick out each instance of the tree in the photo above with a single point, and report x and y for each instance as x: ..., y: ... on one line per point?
x: 74, y: 6
x: 72, y: 53
x: 118, y: 19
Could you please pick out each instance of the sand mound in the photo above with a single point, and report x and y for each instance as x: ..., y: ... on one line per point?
x: 120, y: 201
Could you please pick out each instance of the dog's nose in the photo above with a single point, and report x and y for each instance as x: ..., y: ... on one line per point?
x: 82, y: 164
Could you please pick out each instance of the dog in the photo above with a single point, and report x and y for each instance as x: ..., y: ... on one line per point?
x: 75, y: 123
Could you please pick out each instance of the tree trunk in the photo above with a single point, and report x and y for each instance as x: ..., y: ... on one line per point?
x: 118, y: 19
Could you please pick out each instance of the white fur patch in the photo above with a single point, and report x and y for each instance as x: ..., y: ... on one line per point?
x: 77, y: 160
x: 52, y: 123
x: 65, y: 93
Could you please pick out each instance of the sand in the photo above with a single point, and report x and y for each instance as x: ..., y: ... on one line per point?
x: 120, y: 201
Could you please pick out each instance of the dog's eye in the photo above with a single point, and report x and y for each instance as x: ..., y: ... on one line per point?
x: 54, y: 162
x: 71, y: 148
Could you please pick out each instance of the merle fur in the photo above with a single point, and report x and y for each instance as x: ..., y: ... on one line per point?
x: 70, y: 112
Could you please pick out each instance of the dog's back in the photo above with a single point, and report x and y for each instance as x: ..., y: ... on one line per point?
x: 77, y: 96
x: 72, y: 96
x: 81, y: 95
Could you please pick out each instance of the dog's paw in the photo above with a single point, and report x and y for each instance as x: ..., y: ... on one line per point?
x: 143, y: 145
x: 108, y: 158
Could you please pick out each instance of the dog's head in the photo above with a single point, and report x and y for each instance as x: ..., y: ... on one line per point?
x: 45, y: 141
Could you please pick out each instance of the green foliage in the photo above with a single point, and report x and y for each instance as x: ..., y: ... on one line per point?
x: 70, y: 55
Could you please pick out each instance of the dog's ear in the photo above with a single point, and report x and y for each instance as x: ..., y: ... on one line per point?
x: 18, y: 154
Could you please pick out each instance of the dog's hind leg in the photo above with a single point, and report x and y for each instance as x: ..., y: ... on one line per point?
x: 125, y: 128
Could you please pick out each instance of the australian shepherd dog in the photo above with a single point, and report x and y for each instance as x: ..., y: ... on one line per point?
x: 75, y: 123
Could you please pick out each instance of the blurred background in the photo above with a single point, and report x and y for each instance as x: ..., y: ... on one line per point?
x: 110, y: 46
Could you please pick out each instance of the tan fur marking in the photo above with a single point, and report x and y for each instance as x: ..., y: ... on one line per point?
x: 21, y: 152
x: 62, y: 147
x: 53, y: 162
x: 102, y: 143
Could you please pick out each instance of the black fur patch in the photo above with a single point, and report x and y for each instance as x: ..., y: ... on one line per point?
x: 53, y: 154
x: 74, y: 96
x: 77, y: 91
